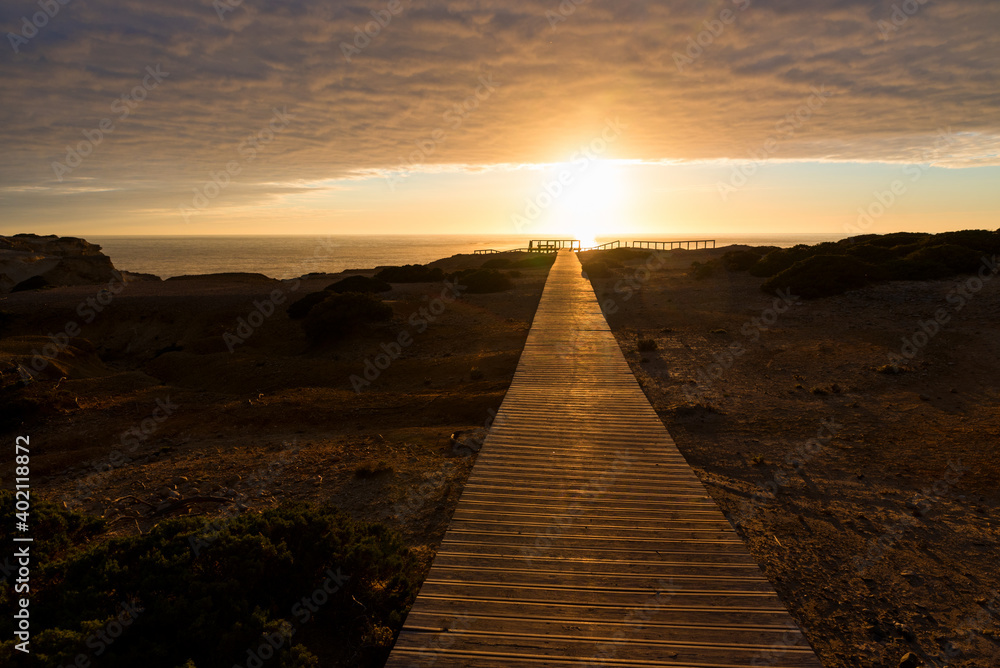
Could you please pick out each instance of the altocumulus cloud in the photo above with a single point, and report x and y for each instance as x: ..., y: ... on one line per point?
x: 892, y: 92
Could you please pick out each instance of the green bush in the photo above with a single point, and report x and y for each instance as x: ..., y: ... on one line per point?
x: 596, y: 269
x: 934, y: 262
x: 891, y: 240
x: 249, y: 578
x: 981, y: 241
x: 778, y: 260
x: 874, y: 254
x: 823, y: 276
x: 741, y: 259
x: 410, y: 273
x: 339, y: 315
x: 485, y: 281
x: 358, y: 284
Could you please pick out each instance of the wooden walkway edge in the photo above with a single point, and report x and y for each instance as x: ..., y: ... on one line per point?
x: 583, y: 538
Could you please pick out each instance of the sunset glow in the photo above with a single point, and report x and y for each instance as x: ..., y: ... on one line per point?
x: 449, y: 119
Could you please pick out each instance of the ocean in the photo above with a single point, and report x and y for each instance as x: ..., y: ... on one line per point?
x: 291, y: 256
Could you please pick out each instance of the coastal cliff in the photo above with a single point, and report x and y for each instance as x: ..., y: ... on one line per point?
x: 30, y: 261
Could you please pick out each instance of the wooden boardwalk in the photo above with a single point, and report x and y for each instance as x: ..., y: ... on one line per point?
x: 583, y: 538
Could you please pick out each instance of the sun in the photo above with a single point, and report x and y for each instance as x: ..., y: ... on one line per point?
x: 594, y: 203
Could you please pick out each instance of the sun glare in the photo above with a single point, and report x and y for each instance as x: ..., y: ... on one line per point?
x: 594, y: 204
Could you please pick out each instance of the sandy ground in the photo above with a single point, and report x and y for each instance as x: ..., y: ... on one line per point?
x: 148, y: 405
x: 870, y: 499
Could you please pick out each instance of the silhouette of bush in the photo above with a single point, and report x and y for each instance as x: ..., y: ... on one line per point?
x: 596, y: 269
x: 359, y: 284
x: 496, y: 263
x: 410, y: 273
x: 742, y: 260
x: 823, y: 276
x: 875, y: 254
x: 300, y: 309
x: 536, y: 261
x: 621, y: 254
x: 982, y: 241
x: 339, y: 315
x: 222, y: 589
x: 890, y: 240
x: 778, y: 260
x: 485, y: 281
x: 701, y: 270
x: 934, y: 262
x: 897, y: 256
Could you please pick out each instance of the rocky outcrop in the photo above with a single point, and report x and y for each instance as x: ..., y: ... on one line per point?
x: 30, y: 261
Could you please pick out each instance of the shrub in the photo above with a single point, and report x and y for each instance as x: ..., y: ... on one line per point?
x: 410, y: 273
x: 248, y: 579
x: 933, y: 262
x: 778, y: 260
x: 621, y: 254
x: 891, y: 240
x: 596, y: 270
x: 982, y: 241
x: 362, y: 284
x: 701, y: 270
x: 486, y: 281
x: 536, y: 261
x: 823, y: 276
x: 872, y: 253
x: 301, y: 308
x: 741, y: 260
x: 496, y: 263
x: 338, y: 316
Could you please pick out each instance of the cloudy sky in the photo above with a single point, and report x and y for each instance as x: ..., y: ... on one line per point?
x: 417, y: 116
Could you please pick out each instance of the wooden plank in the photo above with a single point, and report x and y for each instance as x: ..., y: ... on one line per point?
x: 582, y: 537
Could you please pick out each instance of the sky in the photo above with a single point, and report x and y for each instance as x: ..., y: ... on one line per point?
x: 581, y: 117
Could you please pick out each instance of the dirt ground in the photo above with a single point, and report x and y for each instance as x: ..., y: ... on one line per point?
x: 147, y: 405
x: 870, y: 498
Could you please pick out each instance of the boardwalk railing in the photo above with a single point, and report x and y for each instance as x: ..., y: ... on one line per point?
x: 670, y: 245
x: 549, y: 245
x: 607, y: 246
x: 555, y: 245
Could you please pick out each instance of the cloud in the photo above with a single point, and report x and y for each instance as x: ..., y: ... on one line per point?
x: 559, y: 75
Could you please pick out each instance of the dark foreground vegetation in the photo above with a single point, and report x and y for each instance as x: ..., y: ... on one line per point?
x: 833, y: 268
x: 284, y: 585
x: 350, y: 304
